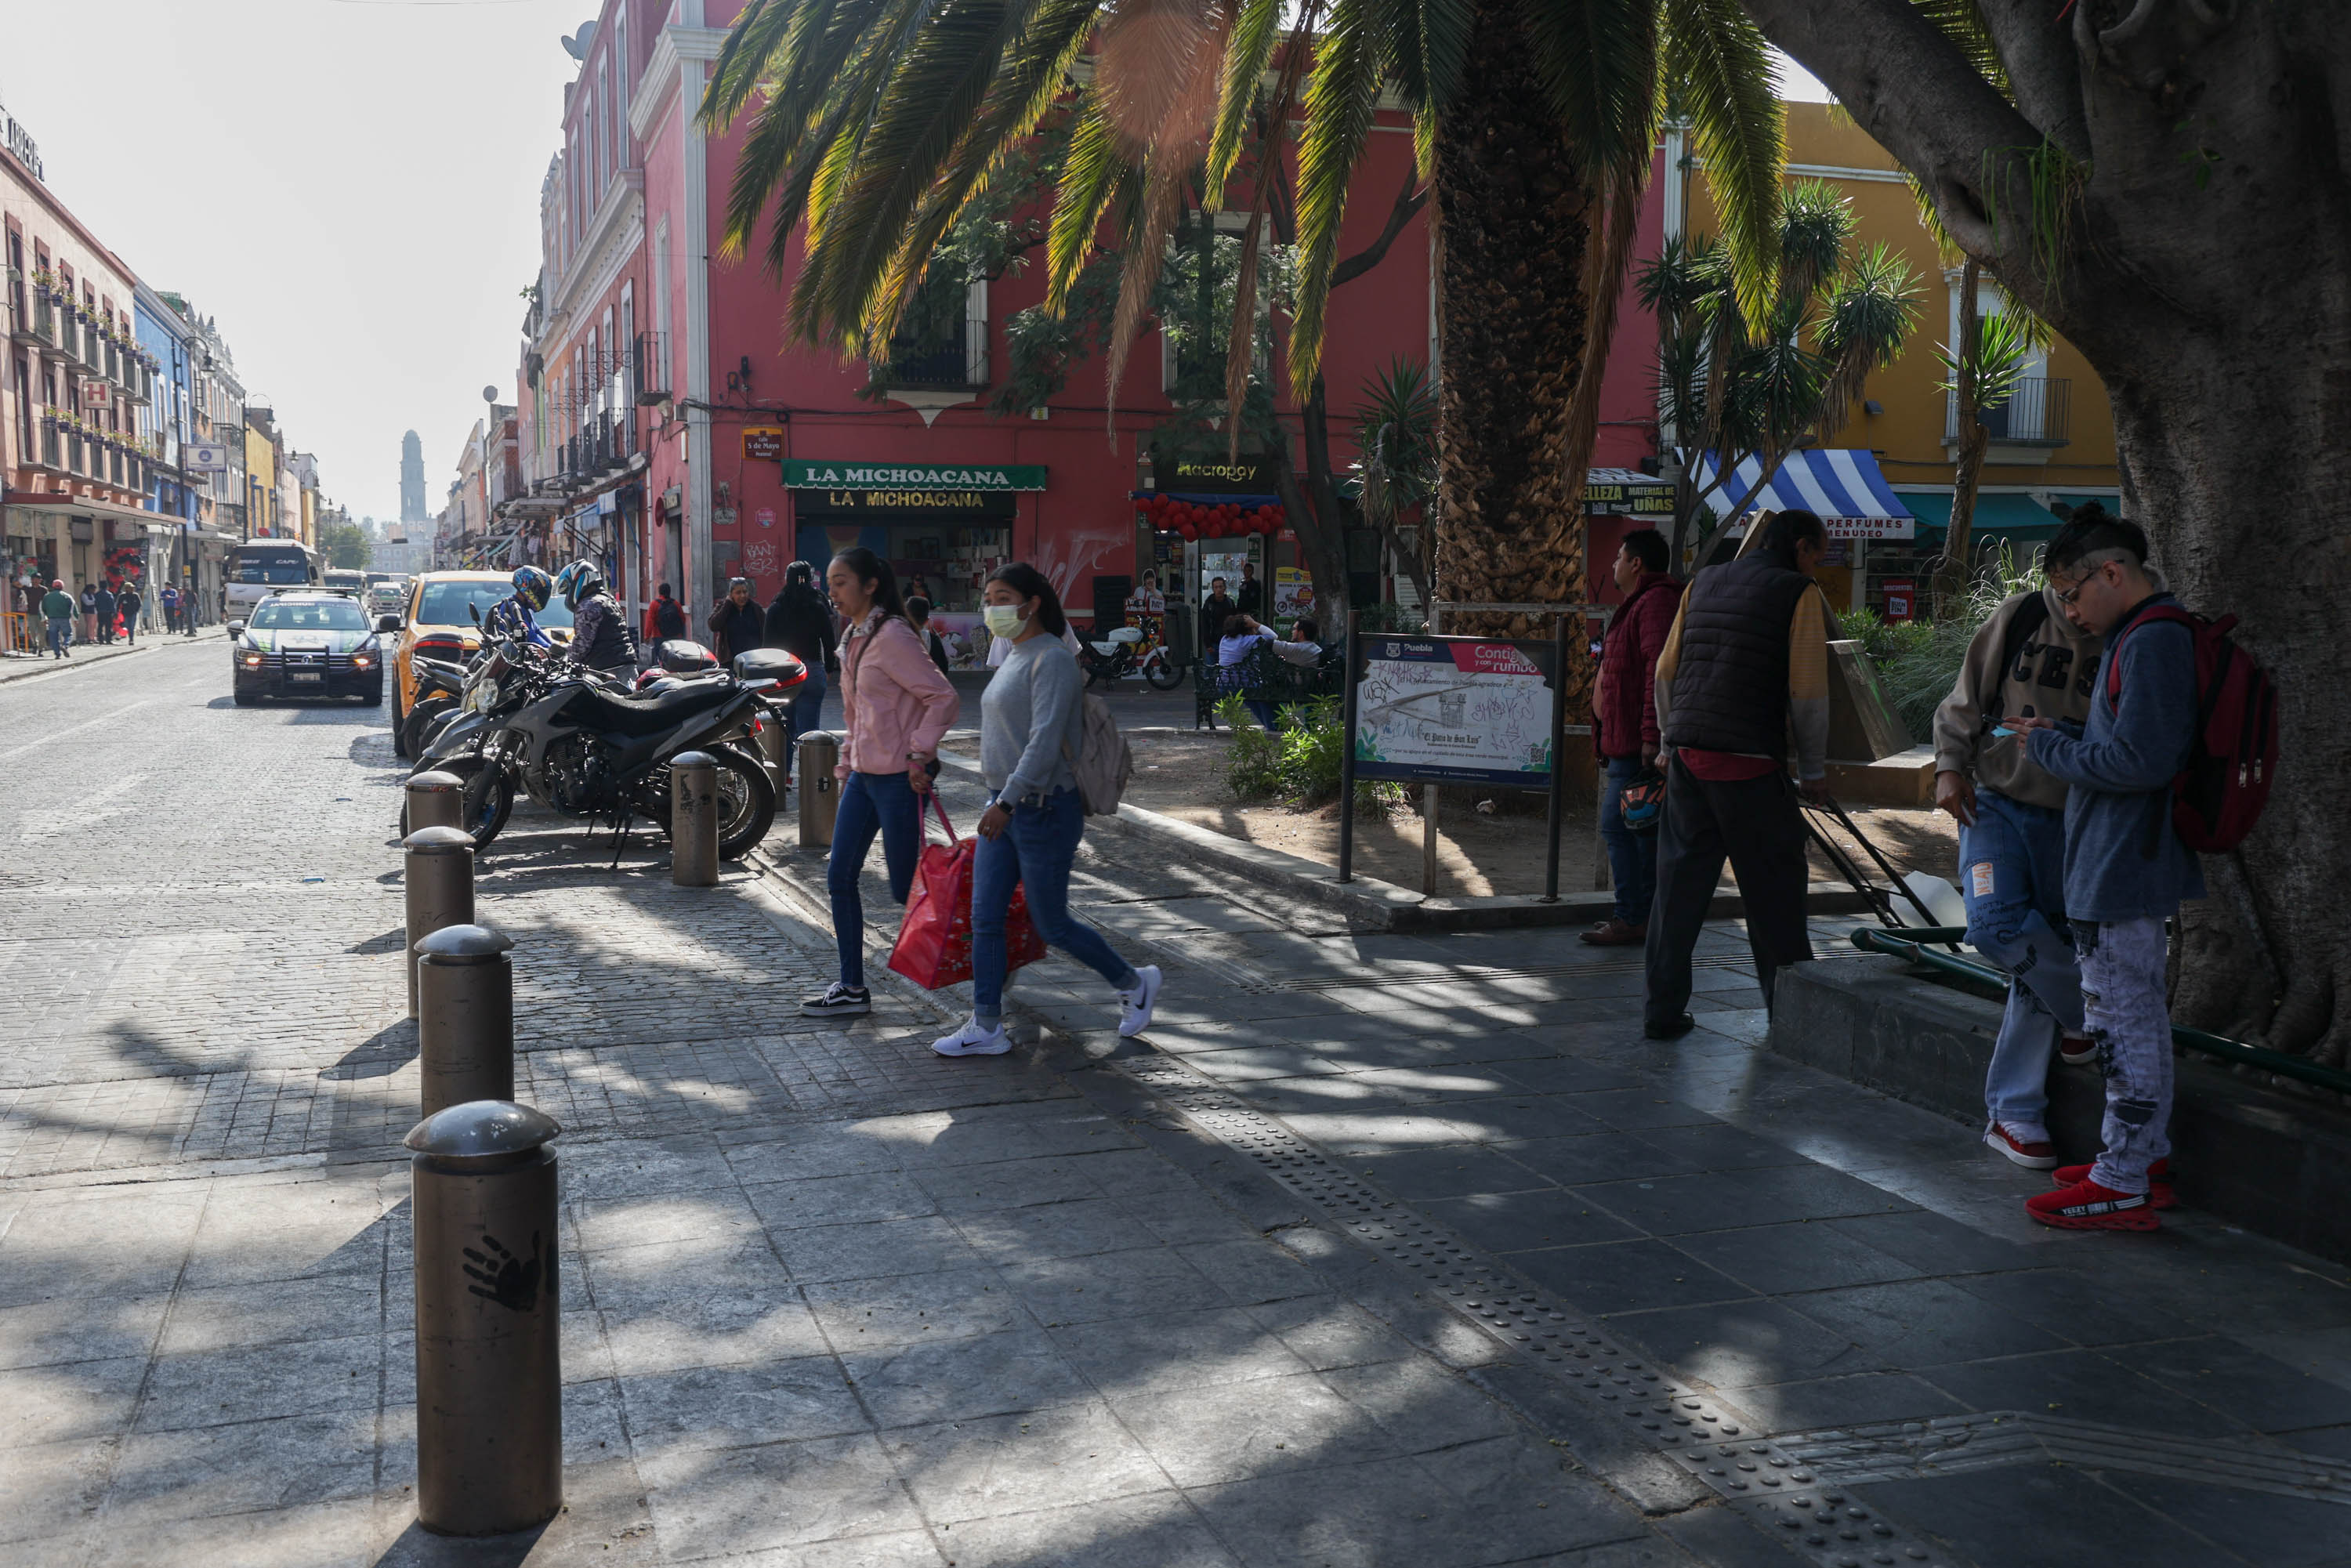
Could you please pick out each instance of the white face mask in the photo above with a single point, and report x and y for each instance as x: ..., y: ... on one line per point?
x: 1003, y: 620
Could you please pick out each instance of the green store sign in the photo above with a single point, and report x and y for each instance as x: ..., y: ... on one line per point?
x: 814, y: 473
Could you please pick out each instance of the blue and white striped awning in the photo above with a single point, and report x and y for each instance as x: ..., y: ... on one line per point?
x: 1842, y: 485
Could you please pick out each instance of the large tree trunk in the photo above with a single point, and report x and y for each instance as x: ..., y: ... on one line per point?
x: 1512, y: 223
x: 2201, y: 259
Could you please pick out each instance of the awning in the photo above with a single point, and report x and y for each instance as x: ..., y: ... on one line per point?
x: 1842, y: 485
x: 84, y: 507
x: 2008, y: 515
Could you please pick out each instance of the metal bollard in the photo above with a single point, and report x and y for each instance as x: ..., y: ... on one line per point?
x: 464, y: 1017
x: 435, y: 800
x: 820, y: 791
x: 438, y: 880
x: 490, y: 1374
x: 693, y: 820
x: 773, y: 739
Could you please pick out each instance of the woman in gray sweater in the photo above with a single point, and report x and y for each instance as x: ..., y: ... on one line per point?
x: 1031, y: 725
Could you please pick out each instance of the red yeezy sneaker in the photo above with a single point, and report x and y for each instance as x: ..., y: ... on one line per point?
x: 2038, y: 1156
x: 2159, y: 1194
x: 2086, y: 1206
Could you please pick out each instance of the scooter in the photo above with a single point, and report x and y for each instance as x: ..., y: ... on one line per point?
x: 1116, y: 657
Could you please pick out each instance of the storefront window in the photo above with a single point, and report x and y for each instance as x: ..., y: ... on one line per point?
x: 945, y: 564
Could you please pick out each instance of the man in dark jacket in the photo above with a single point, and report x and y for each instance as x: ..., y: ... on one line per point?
x: 1624, y: 725
x: 105, y: 609
x: 736, y: 623
x: 1249, y: 599
x: 664, y: 619
x: 799, y: 621
x: 2126, y: 868
x: 1745, y: 664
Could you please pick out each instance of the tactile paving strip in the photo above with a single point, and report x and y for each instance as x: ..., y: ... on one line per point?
x: 1948, y: 1445
x: 1781, y: 1492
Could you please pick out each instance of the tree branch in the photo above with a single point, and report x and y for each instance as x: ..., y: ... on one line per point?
x: 2044, y: 70
x: 1410, y: 200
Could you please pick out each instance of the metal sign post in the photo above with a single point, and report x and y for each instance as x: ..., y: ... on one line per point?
x: 1347, y: 758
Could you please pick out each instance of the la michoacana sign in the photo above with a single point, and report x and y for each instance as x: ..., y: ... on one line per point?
x: 816, y: 473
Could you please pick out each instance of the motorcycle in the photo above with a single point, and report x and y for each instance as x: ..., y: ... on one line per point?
x: 1120, y: 654
x: 440, y: 687
x: 581, y: 745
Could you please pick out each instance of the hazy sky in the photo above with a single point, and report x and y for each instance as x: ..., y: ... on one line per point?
x: 375, y: 169
x: 374, y: 166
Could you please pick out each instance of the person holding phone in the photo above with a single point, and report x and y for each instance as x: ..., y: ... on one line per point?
x: 2027, y: 659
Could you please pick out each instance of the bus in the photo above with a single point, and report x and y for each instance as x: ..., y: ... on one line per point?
x: 343, y: 580
x: 258, y: 568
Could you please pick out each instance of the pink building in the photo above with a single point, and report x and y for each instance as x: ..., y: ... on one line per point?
x: 668, y: 427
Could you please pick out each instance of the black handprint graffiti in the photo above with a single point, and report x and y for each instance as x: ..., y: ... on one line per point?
x: 513, y: 1283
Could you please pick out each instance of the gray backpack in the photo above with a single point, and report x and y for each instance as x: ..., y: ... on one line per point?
x: 1103, y: 762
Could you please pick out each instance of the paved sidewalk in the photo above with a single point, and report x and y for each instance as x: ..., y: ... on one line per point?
x: 1376, y: 1250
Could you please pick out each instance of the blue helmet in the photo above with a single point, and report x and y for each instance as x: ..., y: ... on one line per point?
x: 577, y: 582
x: 1643, y: 802
x: 532, y: 586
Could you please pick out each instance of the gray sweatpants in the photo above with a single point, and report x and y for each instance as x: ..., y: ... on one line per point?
x: 2123, y: 1008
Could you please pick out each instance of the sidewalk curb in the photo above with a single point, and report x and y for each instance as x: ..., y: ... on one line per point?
x: 29, y: 669
x: 1371, y: 905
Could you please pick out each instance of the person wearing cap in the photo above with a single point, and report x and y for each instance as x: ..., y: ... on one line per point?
x: 737, y: 623
x: 57, y: 610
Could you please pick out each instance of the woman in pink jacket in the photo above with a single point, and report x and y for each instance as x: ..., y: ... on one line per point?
x: 895, y: 705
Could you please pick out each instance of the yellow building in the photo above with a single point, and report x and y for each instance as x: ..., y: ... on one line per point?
x: 2053, y: 442
x: 261, y: 478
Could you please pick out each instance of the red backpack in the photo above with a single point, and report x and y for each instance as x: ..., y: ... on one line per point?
x: 2217, y: 798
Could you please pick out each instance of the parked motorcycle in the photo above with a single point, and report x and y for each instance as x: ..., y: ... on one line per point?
x: 580, y: 747
x: 440, y: 687
x: 1122, y: 654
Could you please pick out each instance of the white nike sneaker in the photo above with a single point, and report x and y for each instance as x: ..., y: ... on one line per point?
x: 1134, y: 1006
x: 973, y: 1040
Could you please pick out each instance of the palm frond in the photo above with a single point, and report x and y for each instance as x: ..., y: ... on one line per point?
x: 1240, y: 350
x: 1597, y: 60
x: 1607, y: 254
x: 1723, y: 80
x: 1870, y: 316
x: 1145, y: 247
x: 1257, y: 32
x: 1816, y: 222
x: 1341, y: 99
x: 1093, y: 173
x: 811, y: 105
x: 1962, y: 22
x: 745, y: 58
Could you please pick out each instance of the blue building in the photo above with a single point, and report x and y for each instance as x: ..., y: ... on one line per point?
x: 166, y: 335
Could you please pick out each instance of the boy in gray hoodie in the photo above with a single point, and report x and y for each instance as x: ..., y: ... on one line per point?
x: 2126, y: 868
x: 2028, y: 658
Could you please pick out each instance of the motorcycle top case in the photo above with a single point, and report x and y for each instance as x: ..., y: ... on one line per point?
x: 934, y: 946
x: 769, y: 664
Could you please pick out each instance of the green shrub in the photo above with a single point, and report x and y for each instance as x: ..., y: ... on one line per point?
x: 1919, y: 661
x: 1299, y: 764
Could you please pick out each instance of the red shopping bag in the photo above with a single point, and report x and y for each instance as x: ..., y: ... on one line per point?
x: 934, y: 946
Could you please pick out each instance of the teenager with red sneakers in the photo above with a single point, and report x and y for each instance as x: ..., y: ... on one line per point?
x: 2028, y: 658
x: 2126, y: 868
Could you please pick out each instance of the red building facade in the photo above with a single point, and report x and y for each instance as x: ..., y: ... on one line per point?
x: 668, y: 424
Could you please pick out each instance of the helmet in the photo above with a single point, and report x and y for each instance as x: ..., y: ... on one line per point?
x: 532, y: 586
x: 1643, y: 801
x: 577, y: 582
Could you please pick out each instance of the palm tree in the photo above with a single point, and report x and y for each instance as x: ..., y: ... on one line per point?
x: 1734, y: 385
x: 1535, y: 122
x: 1980, y: 371
x: 1396, y: 432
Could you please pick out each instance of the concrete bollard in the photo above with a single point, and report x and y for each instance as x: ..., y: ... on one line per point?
x: 774, y: 737
x: 435, y: 800
x: 693, y: 820
x: 464, y: 1017
x: 820, y: 791
x: 489, y: 1372
x: 438, y: 881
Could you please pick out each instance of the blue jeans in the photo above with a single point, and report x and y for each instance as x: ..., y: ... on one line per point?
x: 870, y: 803
x: 807, y: 703
x: 2013, y: 874
x: 60, y: 637
x: 1632, y: 857
x: 1034, y: 850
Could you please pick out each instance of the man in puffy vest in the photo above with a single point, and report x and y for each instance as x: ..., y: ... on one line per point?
x: 2125, y: 867
x: 1745, y: 665
x: 2028, y: 658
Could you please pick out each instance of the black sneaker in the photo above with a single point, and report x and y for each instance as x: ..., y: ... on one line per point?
x: 1673, y: 1027
x: 838, y: 1001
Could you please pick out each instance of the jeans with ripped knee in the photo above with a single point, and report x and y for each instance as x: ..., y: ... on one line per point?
x: 2013, y: 874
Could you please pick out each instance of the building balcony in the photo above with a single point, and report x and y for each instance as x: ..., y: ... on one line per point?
x: 2038, y: 414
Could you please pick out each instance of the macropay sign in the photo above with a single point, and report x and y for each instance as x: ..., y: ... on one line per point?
x: 814, y: 473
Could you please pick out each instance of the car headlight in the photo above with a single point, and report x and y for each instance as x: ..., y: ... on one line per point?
x: 251, y: 659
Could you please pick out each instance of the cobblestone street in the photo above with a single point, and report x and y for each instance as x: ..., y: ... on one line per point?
x: 1377, y: 1249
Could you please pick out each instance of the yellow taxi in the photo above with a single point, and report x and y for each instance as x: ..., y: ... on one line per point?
x: 435, y: 622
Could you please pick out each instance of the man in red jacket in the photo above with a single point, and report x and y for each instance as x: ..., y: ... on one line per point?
x: 1624, y: 725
